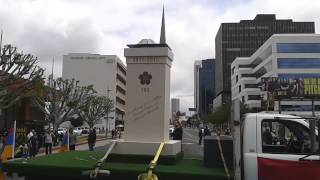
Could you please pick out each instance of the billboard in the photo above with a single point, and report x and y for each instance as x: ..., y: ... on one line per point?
x: 292, y: 87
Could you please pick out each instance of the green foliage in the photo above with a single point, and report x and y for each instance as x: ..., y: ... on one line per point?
x: 220, y: 115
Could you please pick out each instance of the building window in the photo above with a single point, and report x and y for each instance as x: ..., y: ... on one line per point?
x: 121, y: 79
x: 298, y: 47
x: 243, y: 99
x: 292, y: 76
x: 254, y: 97
x: 251, y: 86
x: 299, y: 107
x: 298, y: 63
x: 237, y: 78
x: 239, y: 88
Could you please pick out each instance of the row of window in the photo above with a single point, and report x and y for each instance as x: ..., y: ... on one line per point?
x: 298, y: 63
x: 296, y: 75
x: 299, y: 107
x: 298, y: 47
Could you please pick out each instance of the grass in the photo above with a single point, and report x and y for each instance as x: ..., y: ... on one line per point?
x: 70, y: 165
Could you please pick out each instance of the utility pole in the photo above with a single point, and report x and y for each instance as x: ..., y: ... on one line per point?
x: 312, y: 123
x: 107, y: 118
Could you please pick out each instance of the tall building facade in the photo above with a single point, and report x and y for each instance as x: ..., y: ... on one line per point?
x: 204, y: 85
x: 197, y: 67
x: 288, y: 56
x: 175, y: 105
x: 107, y: 73
x: 242, y: 40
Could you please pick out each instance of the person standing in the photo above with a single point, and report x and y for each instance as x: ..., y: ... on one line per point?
x: 92, y: 137
x: 201, y: 134
x: 48, y: 141
x: 72, y: 140
x: 177, y: 132
x: 34, y: 145
x: 113, y: 132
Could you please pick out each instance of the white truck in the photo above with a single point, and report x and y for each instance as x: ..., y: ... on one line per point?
x: 276, y: 146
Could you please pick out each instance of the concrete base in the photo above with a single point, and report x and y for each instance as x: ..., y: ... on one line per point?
x: 171, y: 147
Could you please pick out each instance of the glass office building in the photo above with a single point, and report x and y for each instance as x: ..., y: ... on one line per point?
x: 244, y: 38
x: 206, y: 86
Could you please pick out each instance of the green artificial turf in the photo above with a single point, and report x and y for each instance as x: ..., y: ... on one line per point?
x: 70, y: 165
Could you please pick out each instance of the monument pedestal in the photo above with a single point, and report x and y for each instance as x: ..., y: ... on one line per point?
x: 171, y: 148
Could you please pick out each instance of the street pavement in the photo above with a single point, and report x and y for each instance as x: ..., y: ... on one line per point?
x: 190, y: 140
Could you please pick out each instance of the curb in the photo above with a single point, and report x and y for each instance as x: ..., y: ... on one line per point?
x: 43, y: 150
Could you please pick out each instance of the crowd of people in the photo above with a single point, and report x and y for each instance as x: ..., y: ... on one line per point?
x: 30, y: 145
x: 33, y: 141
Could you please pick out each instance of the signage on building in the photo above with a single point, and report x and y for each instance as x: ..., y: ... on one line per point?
x: 292, y: 87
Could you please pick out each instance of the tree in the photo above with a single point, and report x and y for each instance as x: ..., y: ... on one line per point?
x: 62, y: 100
x: 244, y: 109
x: 76, y: 121
x: 220, y: 115
x: 95, y: 108
x: 19, y: 75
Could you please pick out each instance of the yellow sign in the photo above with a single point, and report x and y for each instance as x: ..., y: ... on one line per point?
x: 311, y: 86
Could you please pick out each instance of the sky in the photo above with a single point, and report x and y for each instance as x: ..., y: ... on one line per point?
x: 48, y: 29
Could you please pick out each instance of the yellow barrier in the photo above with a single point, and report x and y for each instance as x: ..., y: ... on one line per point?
x: 149, y: 175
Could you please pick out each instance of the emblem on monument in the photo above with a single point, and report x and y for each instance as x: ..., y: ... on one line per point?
x: 145, y: 78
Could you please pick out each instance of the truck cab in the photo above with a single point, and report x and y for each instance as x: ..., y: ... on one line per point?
x: 275, y: 146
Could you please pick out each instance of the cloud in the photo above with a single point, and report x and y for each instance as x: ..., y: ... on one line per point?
x: 48, y: 29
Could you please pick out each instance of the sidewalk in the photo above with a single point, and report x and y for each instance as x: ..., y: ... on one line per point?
x: 81, y: 141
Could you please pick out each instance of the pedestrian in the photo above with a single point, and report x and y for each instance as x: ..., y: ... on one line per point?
x: 113, y: 132
x: 72, y: 140
x: 92, y: 137
x: 119, y: 133
x: 201, y: 134
x: 33, y: 145
x: 48, y: 141
x: 177, y: 132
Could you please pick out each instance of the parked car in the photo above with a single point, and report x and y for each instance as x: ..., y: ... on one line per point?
x: 77, y: 131
x: 61, y: 130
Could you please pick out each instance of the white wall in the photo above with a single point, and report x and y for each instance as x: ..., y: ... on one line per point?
x: 98, y: 70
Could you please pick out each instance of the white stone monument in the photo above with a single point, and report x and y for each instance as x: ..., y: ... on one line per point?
x: 148, y: 98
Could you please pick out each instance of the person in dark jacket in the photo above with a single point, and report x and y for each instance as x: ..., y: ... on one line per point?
x: 177, y: 132
x: 201, y: 134
x: 92, y: 139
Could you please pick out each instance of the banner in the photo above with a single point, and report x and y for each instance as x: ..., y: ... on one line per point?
x: 292, y: 87
x: 8, y: 150
x: 274, y: 169
x: 65, y: 142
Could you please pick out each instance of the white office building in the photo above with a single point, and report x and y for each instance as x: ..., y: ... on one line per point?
x: 283, y: 56
x: 107, y: 73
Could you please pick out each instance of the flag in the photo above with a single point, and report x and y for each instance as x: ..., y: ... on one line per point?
x: 8, y: 151
x: 65, y: 142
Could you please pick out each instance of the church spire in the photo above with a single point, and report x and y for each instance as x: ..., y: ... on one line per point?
x: 163, y: 29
